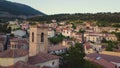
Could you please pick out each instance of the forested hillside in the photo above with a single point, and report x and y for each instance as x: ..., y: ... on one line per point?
x: 106, y: 17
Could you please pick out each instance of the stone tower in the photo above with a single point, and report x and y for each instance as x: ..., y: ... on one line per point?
x: 38, y: 40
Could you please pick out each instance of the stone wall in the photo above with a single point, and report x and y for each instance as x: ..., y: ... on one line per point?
x: 51, y: 63
x: 12, y: 61
x: 110, y: 53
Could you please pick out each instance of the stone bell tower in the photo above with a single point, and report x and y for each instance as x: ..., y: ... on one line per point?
x: 38, y: 40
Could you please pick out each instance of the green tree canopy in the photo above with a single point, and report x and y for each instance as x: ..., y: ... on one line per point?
x: 81, y: 31
x: 111, y: 45
x: 57, y: 39
x: 9, y: 30
x: 75, y: 56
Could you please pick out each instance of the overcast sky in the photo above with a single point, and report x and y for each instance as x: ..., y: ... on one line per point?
x: 73, y: 6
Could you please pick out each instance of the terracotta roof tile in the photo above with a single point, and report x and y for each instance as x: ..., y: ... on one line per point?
x: 41, y: 57
x: 109, y: 58
x: 102, y: 62
x: 20, y: 40
x: 46, y: 67
x: 13, y: 53
x: 54, y: 48
x: 20, y: 65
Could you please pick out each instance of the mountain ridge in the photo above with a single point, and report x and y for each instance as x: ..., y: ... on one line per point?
x: 13, y: 9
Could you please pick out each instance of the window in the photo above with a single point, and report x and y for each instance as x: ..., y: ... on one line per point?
x: 15, y: 46
x: 32, y: 36
x: 42, y: 37
x: 53, y: 63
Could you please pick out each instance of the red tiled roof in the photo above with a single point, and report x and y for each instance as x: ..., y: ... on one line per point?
x: 54, y: 48
x: 20, y: 40
x: 2, y: 39
x: 40, y: 26
x: 41, y: 57
x: 103, y: 62
x: 13, y: 53
x: 46, y: 67
x: 21, y: 64
x: 109, y: 58
x: 87, y: 45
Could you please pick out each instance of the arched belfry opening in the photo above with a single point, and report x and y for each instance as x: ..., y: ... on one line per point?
x: 42, y: 37
x: 32, y: 36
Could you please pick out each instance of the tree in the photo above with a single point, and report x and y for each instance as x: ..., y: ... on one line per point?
x: 118, y: 36
x: 104, y: 40
x: 116, y: 25
x: 81, y: 31
x: 74, y: 58
x: 57, y: 39
x: 4, y: 29
x: 8, y: 30
x: 73, y: 26
x: 12, y: 35
x: 111, y: 45
x: 104, y: 19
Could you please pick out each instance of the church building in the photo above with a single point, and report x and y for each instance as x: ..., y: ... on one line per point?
x: 36, y: 57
